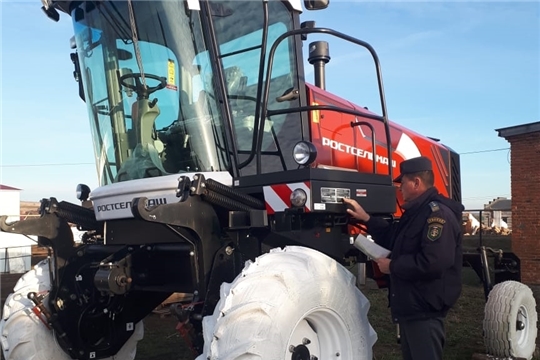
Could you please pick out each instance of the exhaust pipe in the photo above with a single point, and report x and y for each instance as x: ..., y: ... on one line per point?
x: 319, y: 56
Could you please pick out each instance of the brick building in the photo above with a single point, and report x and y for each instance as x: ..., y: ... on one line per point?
x: 525, y: 178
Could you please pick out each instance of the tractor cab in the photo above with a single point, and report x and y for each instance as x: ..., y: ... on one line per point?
x: 175, y: 86
x: 182, y: 87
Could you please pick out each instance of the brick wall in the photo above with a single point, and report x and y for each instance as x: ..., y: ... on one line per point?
x: 525, y: 169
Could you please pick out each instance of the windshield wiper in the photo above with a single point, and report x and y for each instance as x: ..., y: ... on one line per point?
x: 115, y: 19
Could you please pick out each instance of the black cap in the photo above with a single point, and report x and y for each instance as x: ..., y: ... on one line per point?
x: 413, y: 166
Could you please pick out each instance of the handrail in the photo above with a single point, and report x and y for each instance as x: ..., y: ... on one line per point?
x: 373, y: 142
x: 259, y: 120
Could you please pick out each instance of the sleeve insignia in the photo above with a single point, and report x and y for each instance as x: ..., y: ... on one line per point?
x: 434, y: 231
x: 435, y: 219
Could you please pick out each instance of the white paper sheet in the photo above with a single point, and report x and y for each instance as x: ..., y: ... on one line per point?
x: 369, y: 247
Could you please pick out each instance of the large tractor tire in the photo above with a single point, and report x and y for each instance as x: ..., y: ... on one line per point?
x: 510, y: 321
x: 294, y: 303
x: 24, y: 337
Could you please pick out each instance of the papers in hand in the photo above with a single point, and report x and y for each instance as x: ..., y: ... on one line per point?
x: 369, y: 248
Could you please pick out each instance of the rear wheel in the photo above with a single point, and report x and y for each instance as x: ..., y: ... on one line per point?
x: 510, y: 322
x: 294, y: 303
x: 25, y: 337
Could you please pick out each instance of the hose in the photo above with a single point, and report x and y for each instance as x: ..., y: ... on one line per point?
x: 219, y: 188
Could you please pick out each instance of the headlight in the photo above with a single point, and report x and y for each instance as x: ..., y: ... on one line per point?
x: 304, y: 153
x: 298, y: 198
x: 83, y: 191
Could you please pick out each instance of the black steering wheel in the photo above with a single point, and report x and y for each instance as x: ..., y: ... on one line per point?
x: 143, y: 92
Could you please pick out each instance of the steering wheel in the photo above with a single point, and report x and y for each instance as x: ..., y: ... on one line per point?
x: 143, y: 92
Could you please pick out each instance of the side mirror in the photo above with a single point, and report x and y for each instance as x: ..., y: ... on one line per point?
x: 51, y: 13
x: 316, y: 4
x: 306, y: 24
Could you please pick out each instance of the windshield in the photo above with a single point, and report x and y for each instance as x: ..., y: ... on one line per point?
x: 150, y: 87
x: 148, y: 112
x: 240, y: 39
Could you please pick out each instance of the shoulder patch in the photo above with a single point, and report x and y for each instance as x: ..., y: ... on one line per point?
x: 434, y: 206
x: 434, y: 231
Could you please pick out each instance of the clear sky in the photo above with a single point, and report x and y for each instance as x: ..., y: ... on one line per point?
x: 453, y: 70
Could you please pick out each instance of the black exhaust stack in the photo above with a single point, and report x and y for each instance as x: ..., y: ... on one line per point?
x: 319, y: 56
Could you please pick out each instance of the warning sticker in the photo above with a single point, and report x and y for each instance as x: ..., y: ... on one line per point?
x: 171, y: 75
x: 334, y: 195
x: 361, y: 192
x: 319, y: 206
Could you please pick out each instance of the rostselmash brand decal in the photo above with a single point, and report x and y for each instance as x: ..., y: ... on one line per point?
x: 348, y: 149
x: 127, y: 204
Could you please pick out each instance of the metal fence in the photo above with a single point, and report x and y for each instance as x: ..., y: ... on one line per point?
x: 15, y: 259
x: 486, y: 216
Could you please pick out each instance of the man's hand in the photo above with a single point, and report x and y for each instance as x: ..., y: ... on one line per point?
x: 384, y: 265
x: 357, y: 211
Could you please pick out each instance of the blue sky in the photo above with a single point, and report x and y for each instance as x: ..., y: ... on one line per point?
x: 452, y: 70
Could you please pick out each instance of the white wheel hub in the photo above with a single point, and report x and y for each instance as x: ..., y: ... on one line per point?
x: 522, y: 327
x: 321, y: 334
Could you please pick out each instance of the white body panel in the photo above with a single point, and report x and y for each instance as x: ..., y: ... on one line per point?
x: 296, y: 5
x: 114, y: 201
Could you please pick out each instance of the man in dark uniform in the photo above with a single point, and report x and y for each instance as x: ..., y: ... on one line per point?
x: 426, y: 260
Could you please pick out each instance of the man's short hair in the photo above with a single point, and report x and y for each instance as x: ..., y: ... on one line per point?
x: 427, y: 177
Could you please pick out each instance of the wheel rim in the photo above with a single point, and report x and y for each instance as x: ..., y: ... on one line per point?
x: 323, y: 333
x: 523, y: 333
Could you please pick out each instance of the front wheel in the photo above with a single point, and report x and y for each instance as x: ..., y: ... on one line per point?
x: 510, y: 322
x: 294, y: 303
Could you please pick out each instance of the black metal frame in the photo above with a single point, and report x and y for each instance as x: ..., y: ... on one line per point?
x: 506, y: 265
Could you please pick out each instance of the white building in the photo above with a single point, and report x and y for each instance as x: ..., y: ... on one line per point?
x: 15, y: 249
x: 10, y: 202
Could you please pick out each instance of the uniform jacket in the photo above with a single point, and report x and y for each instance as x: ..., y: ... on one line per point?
x: 425, y: 271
